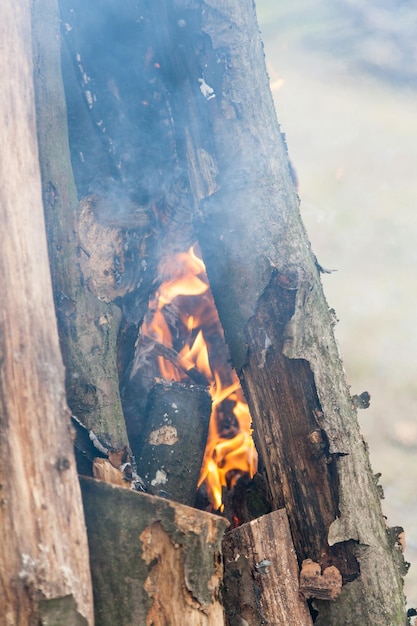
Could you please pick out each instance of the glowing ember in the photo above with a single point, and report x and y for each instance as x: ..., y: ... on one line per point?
x: 182, y: 316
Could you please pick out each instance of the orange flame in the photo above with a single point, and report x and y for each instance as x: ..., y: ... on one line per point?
x: 185, y: 294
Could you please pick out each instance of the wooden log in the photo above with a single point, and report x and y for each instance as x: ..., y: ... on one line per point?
x: 261, y: 574
x: 174, y: 439
x: 153, y: 561
x: 278, y: 326
x: 43, y: 546
x: 88, y: 327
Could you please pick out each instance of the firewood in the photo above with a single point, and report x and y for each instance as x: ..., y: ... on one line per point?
x: 261, y: 574
x: 43, y: 547
x: 153, y: 561
x: 173, y: 357
x: 174, y: 438
x: 233, y: 166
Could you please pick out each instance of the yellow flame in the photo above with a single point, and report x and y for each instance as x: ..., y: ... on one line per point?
x: 225, y: 458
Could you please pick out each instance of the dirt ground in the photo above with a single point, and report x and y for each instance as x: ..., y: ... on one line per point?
x: 344, y: 79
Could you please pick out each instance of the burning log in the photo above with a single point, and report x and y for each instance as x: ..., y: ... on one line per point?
x: 266, y: 286
x: 176, y: 360
x: 200, y: 85
x: 261, y: 574
x: 152, y: 561
x: 174, y: 438
x: 182, y: 314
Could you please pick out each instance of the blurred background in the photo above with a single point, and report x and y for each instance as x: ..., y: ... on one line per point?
x: 344, y: 79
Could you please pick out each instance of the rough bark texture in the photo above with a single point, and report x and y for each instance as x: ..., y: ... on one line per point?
x: 277, y: 323
x: 261, y: 574
x: 88, y: 327
x: 153, y: 561
x: 43, y: 550
x: 124, y: 153
x: 301, y: 469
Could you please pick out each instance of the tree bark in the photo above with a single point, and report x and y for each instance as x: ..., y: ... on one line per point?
x: 44, y: 566
x: 277, y: 323
x: 153, y: 561
x: 88, y: 326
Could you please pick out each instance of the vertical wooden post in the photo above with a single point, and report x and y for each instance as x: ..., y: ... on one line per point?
x: 88, y: 327
x: 43, y: 547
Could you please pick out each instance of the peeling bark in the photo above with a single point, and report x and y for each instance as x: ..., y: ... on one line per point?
x: 153, y: 561
x: 277, y: 324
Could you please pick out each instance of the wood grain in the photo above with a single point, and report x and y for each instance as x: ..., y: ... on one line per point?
x: 43, y: 550
x: 261, y: 574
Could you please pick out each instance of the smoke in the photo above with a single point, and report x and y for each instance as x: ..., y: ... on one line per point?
x: 120, y: 125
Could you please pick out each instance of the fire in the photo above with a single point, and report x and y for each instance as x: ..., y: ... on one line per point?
x: 182, y: 316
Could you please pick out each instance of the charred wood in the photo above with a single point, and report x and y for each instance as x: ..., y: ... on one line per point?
x: 248, y: 500
x: 174, y: 439
x: 173, y: 357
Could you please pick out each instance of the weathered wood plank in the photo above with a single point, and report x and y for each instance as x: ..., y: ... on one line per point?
x: 43, y: 547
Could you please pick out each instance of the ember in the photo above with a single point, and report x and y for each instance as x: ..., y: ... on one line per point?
x: 182, y: 316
